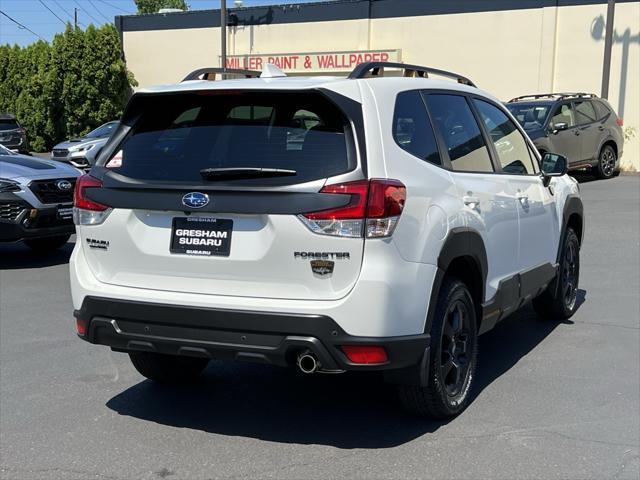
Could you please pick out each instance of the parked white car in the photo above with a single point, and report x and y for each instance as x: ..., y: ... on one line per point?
x: 411, y: 216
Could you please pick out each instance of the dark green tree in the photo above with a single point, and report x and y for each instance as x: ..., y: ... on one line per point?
x: 152, y: 6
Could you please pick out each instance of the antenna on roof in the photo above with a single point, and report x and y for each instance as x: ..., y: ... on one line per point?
x: 271, y: 71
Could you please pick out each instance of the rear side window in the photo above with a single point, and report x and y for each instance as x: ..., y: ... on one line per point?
x: 460, y: 132
x: 178, y: 135
x: 509, y: 143
x: 8, y: 124
x: 601, y: 109
x: 411, y: 127
x: 585, y: 113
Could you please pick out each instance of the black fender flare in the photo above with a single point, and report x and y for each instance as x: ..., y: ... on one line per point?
x: 460, y: 242
x: 572, y: 206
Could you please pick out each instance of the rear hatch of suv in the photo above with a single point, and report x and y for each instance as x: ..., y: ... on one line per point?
x: 206, y: 189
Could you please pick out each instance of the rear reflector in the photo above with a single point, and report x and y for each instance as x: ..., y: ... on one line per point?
x: 365, y: 354
x: 374, y: 209
x: 81, y: 326
x: 620, y: 122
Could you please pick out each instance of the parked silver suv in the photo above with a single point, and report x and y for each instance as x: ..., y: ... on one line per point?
x: 82, y: 152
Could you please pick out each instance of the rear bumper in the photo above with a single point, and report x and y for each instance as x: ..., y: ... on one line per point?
x: 263, y: 337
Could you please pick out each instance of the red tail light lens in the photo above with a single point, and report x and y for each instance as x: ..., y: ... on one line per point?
x: 365, y: 354
x: 80, y: 199
x: 620, y: 122
x: 81, y: 326
x: 374, y: 209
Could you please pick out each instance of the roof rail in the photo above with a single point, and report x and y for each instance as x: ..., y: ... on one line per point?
x: 210, y: 73
x: 554, y: 95
x: 376, y: 69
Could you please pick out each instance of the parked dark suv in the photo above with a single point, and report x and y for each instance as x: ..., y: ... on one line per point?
x: 12, y: 134
x: 580, y: 126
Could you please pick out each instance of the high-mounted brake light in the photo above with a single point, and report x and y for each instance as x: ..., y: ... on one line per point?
x: 86, y: 211
x: 373, y: 211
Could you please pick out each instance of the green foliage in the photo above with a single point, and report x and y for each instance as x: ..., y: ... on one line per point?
x: 66, y: 88
x: 152, y: 6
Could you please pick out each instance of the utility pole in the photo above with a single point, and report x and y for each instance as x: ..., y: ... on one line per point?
x: 223, y: 34
x: 608, y: 42
x: 75, y: 18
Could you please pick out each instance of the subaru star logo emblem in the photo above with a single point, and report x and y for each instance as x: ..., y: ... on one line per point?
x: 195, y: 199
x: 64, y: 185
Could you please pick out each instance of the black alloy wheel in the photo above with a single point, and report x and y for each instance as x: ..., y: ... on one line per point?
x: 607, y: 162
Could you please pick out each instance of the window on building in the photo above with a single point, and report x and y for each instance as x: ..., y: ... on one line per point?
x: 457, y: 125
x: 510, y: 145
x: 411, y: 127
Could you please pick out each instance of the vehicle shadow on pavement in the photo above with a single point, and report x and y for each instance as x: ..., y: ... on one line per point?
x: 344, y: 411
x: 16, y: 256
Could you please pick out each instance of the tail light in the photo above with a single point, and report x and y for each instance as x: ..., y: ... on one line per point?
x: 620, y: 122
x: 86, y: 211
x: 365, y: 354
x: 81, y: 326
x: 374, y: 210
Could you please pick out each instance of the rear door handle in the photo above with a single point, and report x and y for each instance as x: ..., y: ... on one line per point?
x: 576, y: 132
x: 601, y: 128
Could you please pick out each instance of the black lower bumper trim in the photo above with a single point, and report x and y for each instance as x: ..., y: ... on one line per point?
x: 272, y: 338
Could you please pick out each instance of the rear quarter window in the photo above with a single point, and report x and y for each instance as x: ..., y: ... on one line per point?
x: 178, y: 135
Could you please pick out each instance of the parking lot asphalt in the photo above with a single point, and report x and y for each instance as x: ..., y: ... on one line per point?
x: 554, y: 400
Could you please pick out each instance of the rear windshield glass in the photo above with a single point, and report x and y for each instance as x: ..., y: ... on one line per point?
x: 178, y: 135
x: 530, y: 116
x: 8, y: 124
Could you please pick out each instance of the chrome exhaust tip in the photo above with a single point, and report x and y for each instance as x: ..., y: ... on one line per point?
x: 307, y: 363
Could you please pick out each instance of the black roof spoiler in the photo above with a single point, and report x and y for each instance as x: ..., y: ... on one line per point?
x: 376, y: 69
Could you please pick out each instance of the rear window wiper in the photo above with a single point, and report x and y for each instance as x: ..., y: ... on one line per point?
x: 244, y: 172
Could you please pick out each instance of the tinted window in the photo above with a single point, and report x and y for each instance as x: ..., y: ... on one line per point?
x: 601, y: 109
x: 585, y: 112
x: 509, y: 143
x: 461, y: 133
x: 8, y: 124
x: 412, y: 129
x: 563, y: 114
x: 184, y: 133
x: 530, y: 116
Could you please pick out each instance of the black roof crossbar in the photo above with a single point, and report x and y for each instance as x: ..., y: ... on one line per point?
x: 376, y: 69
x: 554, y: 95
x: 210, y: 73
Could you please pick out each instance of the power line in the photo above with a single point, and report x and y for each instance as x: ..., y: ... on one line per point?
x: 98, y: 22
x: 114, y: 6
x: 52, y: 12
x: 98, y: 10
x: 60, y: 7
x: 21, y: 26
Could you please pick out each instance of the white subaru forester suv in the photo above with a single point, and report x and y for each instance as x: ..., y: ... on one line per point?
x: 378, y: 222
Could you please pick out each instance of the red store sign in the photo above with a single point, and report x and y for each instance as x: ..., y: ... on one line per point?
x: 312, y: 62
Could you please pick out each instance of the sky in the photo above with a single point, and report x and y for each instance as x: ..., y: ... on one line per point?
x: 44, y: 22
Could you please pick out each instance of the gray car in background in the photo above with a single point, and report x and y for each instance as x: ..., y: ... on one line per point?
x: 82, y: 152
x: 12, y: 134
x: 580, y: 126
x: 36, y: 200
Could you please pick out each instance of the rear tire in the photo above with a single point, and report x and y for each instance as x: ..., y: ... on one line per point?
x: 167, y: 368
x: 453, y: 357
x: 47, y: 244
x: 606, y: 167
x: 559, y: 300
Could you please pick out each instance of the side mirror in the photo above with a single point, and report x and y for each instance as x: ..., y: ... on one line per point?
x: 553, y: 165
x: 558, y: 127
